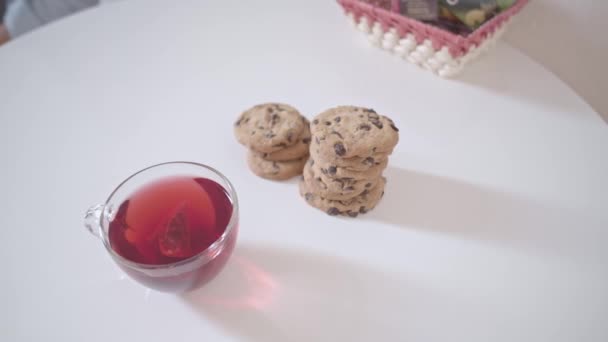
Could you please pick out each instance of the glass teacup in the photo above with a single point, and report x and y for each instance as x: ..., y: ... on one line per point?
x: 172, y: 259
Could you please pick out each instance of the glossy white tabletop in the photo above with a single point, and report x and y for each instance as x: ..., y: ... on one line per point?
x: 493, y: 226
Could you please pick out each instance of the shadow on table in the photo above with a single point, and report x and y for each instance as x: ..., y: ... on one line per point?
x: 428, y: 202
x: 272, y: 294
x: 494, y: 71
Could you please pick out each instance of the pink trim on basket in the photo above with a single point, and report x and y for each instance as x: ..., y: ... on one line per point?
x: 456, y: 44
x: 396, y: 6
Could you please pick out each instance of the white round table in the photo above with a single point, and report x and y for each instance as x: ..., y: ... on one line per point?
x: 493, y: 226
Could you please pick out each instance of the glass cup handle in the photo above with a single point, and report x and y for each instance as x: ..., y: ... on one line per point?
x: 92, y: 220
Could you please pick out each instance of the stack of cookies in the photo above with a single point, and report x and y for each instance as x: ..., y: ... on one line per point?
x: 349, y: 152
x: 278, y: 138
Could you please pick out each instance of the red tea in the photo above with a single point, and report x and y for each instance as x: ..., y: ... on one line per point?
x: 170, y: 220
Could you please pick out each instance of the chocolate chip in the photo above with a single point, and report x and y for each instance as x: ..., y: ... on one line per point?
x: 308, y: 196
x: 315, y: 121
x: 323, y: 171
x: 333, y: 211
x: 332, y: 170
x: 306, y: 141
x: 318, y: 179
x: 362, y: 210
x: 275, y: 165
x: 337, y: 119
x: 361, y: 116
x: 246, y: 120
x: 365, y: 192
x: 270, y: 109
x: 270, y: 135
x: 349, y: 188
x: 238, y: 122
x: 368, y: 161
x: 339, y: 149
x: 394, y: 128
x: 264, y: 155
x: 338, y: 134
x: 368, y: 185
x: 253, y: 132
x: 327, y: 123
x: 312, y: 162
x: 377, y: 123
x: 370, y: 110
x: 274, y: 119
x: 382, y: 194
x: 317, y: 140
x: 365, y: 127
x: 352, y: 213
x: 289, y: 136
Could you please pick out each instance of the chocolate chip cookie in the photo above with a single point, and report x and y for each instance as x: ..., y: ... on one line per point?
x: 269, y: 127
x: 353, y: 167
x: 348, y: 131
x: 353, y: 164
x: 352, y: 207
x: 295, y: 151
x: 338, y: 189
x: 275, y: 170
x: 330, y: 172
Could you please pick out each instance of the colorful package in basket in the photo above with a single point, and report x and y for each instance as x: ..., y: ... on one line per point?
x: 417, y: 9
x: 472, y: 13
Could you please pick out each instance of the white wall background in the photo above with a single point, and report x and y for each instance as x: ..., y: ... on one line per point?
x: 569, y: 37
